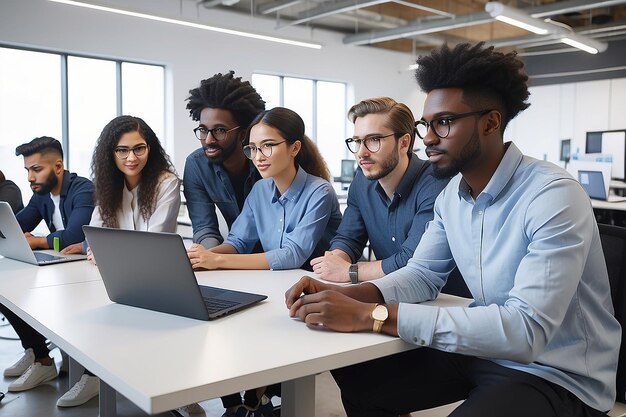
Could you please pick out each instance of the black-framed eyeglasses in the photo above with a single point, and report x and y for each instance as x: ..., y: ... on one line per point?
x: 266, y: 149
x: 372, y: 143
x: 123, y: 153
x: 441, y: 125
x: 219, y: 133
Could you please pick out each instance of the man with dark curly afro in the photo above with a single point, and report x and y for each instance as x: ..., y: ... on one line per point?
x: 218, y: 173
x: 539, y: 337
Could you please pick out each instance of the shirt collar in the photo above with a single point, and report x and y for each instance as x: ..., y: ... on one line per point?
x: 502, y: 175
x: 294, y: 190
x: 410, y: 177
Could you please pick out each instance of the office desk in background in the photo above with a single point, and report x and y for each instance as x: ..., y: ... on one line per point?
x: 161, y: 362
x: 610, y: 213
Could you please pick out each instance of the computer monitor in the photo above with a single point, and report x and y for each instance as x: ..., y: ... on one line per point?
x: 593, y: 144
x: 348, y: 168
x: 609, y: 143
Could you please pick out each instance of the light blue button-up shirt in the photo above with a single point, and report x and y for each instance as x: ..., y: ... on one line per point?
x: 529, y: 250
x: 292, y: 227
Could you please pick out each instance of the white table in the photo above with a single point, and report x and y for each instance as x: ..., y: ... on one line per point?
x: 161, y: 362
x: 605, y: 205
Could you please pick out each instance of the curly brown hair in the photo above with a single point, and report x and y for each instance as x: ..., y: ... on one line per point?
x: 109, y: 181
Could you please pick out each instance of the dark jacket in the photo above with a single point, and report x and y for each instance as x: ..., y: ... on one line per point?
x: 76, y: 207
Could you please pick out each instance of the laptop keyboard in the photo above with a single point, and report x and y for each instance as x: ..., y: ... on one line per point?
x: 215, y: 304
x: 44, y: 257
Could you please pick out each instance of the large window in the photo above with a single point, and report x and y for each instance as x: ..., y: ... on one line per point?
x: 322, y: 106
x: 70, y: 98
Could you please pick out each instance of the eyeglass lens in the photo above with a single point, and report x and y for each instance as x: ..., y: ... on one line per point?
x: 219, y: 133
x: 123, y: 153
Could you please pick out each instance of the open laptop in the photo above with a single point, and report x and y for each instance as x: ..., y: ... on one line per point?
x: 152, y: 271
x: 14, y: 245
x: 594, y: 185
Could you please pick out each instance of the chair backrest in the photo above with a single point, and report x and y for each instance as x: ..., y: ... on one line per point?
x: 614, y: 248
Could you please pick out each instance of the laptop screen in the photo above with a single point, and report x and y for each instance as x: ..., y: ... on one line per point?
x: 593, y: 183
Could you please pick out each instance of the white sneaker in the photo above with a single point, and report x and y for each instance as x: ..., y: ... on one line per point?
x: 84, y: 390
x: 192, y: 409
x: 19, y: 367
x: 35, y: 375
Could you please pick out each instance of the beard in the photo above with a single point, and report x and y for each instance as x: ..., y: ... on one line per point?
x: 224, y: 155
x: 386, y: 166
x: 48, y: 185
x: 469, y: 154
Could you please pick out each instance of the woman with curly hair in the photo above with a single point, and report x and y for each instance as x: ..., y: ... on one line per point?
x: 136, y: 188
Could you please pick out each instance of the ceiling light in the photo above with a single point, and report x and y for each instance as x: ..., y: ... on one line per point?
x: 191, y: 24
x: 564, y: 34
x: 517, y: 18
x: 584, y: 43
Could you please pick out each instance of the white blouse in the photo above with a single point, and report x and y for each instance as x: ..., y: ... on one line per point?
x: 165, y: 214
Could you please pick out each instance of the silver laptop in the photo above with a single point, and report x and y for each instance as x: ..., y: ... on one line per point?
x: 14, y: 245
x: 152, y: 271
x: 594, y: 185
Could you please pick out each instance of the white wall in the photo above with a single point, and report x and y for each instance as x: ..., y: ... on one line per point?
x: 192, y: 54
x: 568, y: 111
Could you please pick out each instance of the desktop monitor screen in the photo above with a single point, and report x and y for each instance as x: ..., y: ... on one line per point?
x: 594, y: 142
x: 348, y: 168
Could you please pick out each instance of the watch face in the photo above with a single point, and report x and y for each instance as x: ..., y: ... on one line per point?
x: 380, y: 313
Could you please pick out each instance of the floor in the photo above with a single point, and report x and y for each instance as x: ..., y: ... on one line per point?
x: 41, y: 401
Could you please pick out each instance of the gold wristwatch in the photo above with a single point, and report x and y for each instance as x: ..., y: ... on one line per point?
x: 379, y: 314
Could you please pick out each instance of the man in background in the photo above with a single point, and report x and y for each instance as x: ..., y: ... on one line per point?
x: 218, y: 174
x: 64, y: 201
x: 10, y: 193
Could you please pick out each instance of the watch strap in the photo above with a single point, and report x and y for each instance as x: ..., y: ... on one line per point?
x: 353, y: 273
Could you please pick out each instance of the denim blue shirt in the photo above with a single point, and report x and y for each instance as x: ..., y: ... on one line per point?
x: 76, y: 205
x: 529, y: 250
x: 292, y: 227
x: 208, y: 185
x: 394, y: 227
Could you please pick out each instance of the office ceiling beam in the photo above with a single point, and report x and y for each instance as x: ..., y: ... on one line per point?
x: 326, y: 9
x: 421, y: 27
x: 276, y: 6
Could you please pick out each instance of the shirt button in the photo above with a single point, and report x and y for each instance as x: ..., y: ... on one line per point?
x: 480, y: 213
x: 393, y: 238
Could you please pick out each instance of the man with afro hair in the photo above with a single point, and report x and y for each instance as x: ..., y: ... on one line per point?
x: 219, y: 174
x: 540, y: 338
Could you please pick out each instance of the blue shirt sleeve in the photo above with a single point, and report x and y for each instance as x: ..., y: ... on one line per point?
x: 299, y: 243
x: 429, y: 189
x: 29, y: 217
x: 243, y: 234
x: 201, y: 208
x: 352, y: 234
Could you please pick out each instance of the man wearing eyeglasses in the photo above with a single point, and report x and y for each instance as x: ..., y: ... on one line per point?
x: 219, y: 174
x: 539, y: 338
x: 390, y: 199
x: 64, y: 201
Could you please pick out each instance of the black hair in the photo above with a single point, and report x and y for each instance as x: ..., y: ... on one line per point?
x: 44, y: 145
x: 109, y: 181
x: 291, y: 127
x: 490, y: 79
x: 225, y: 91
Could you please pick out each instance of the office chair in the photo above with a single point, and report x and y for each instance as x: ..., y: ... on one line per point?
x: 614, y: 247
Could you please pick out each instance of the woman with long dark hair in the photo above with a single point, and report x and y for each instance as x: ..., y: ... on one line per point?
x: 136, y: 188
